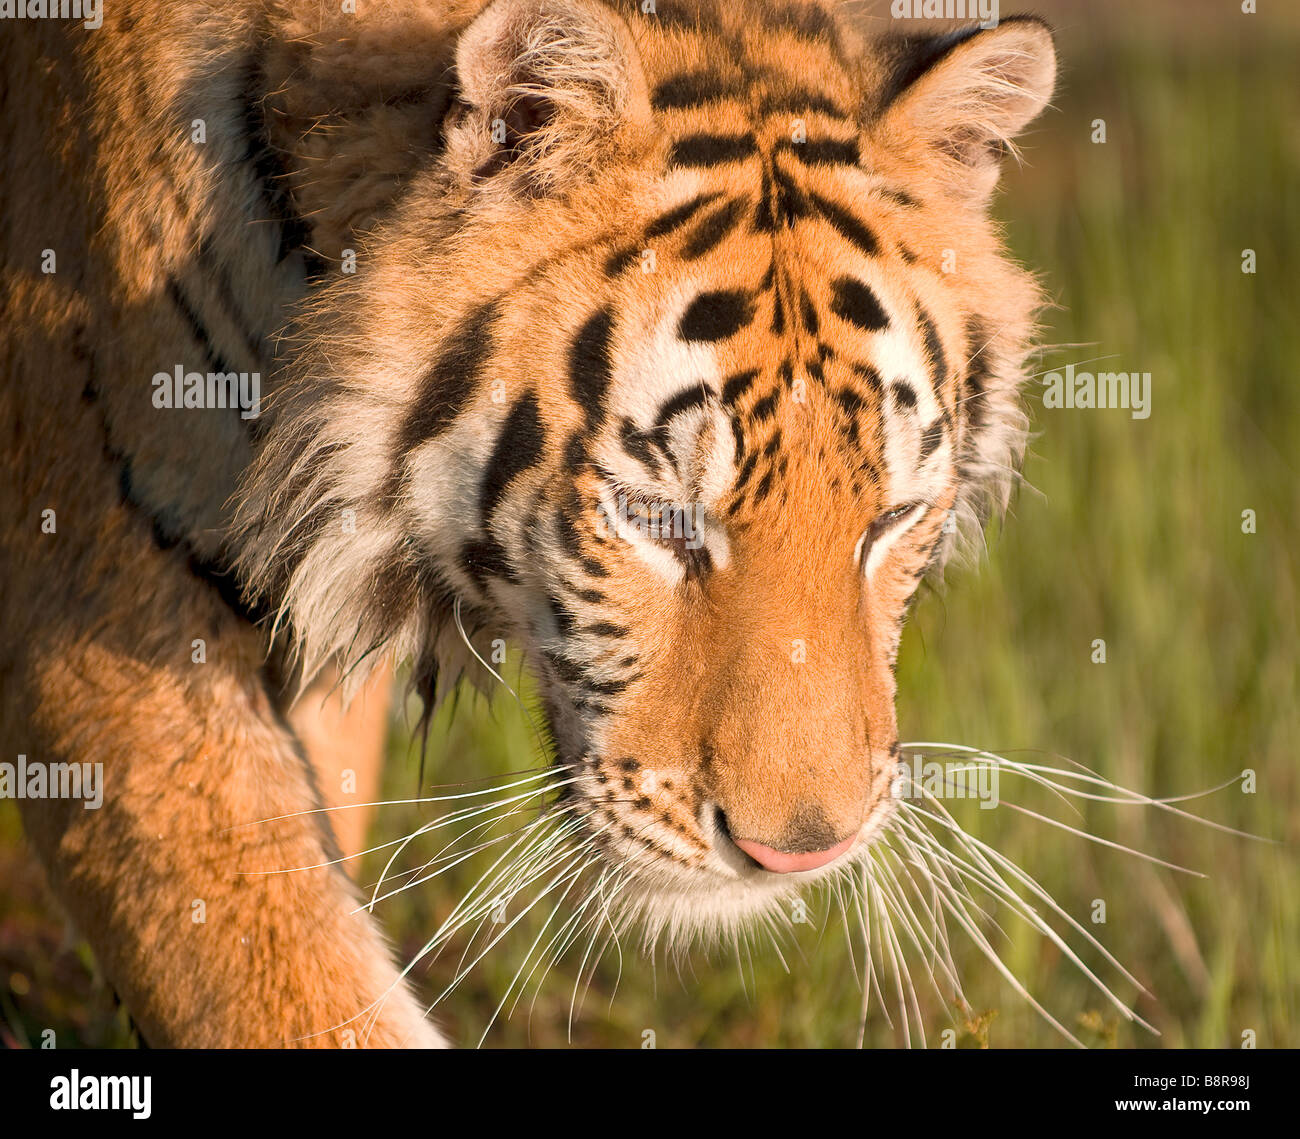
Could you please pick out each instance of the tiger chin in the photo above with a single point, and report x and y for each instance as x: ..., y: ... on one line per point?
x: 671, y: 343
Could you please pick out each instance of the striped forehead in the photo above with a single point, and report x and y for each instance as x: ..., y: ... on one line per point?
x: 709, y: 354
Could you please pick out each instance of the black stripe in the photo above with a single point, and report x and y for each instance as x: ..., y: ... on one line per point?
x: 591, y: 367
x: 518, y: 447
x: 738, y: 437
x: 692, y: 89
x: 163, y: 533
x: 575, y: 453
x: 215, y: 273
x: 931, y: 437
x: 716, y: 315
x: 934, y: 349
x: 903, y: 393
x: 845, y: 224
x: 733, y: 387
x: 684, y: 400
x: 801, y: 99
x: 807, y: 21
x: 765, y: 408
x: 680, y: 14
x: 198, y: 332
x: 637, y: 444
x: 484, y: 559
x: 788, y: 201
x: 809, y: 313
x: 269, y: 172
x: 778, y: 313
x: 743, y: 475
x: 855, y: 302
x: 978, y: 372
x: 906, y: 58
x: 851, y: 401
x: 898, y: 197
x: 870, y: 374
x: 679, y: 215
x: 713, y: 229
x: 201, y: 336
x: 620, y: 260
x: 822, y: 151
x: 712, y: 149
x: 564, y: 617
x: 447, y: 387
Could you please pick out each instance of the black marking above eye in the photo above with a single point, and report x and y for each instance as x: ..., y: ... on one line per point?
x: 637, y: 444
x: 685, y: 400
x: 855, y: 302
x: 716, y: 315
x: 903, y: 393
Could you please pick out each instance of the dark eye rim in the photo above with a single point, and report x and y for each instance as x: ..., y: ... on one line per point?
x: 883, y: 523
x: 695, y: 559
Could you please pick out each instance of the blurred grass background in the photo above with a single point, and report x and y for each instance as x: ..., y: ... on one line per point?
x: 1129, y: 531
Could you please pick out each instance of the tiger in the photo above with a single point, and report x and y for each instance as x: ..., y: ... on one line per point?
x: 670, y: 341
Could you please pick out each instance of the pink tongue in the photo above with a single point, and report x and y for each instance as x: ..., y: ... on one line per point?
x: 783, y: 862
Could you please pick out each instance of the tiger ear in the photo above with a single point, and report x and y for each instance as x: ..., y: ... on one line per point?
x: 966, y: 95
x: 546, y: 82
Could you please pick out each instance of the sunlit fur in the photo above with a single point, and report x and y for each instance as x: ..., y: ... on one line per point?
x: 829, y: 312
x: 824, y: 278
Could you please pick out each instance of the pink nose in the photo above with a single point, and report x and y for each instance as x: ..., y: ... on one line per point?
x: 784, y: 862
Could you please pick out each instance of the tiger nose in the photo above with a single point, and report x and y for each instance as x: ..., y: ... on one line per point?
x: 791, y: 862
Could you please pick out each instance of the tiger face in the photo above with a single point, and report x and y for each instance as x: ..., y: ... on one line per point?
x: 678, y: 369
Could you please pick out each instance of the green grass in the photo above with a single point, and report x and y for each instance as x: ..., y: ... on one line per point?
x: 1131, y: 533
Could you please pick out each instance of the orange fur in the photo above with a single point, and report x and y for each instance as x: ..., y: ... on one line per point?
x: 486, y: 165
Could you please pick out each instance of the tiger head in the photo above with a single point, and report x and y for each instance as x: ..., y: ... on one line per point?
x: 679, y: 366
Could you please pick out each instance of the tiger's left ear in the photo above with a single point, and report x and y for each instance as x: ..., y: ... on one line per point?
x: 966, y: 95
x: 549, y: 84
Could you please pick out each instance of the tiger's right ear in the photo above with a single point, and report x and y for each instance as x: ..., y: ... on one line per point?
x: 548, y: 84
